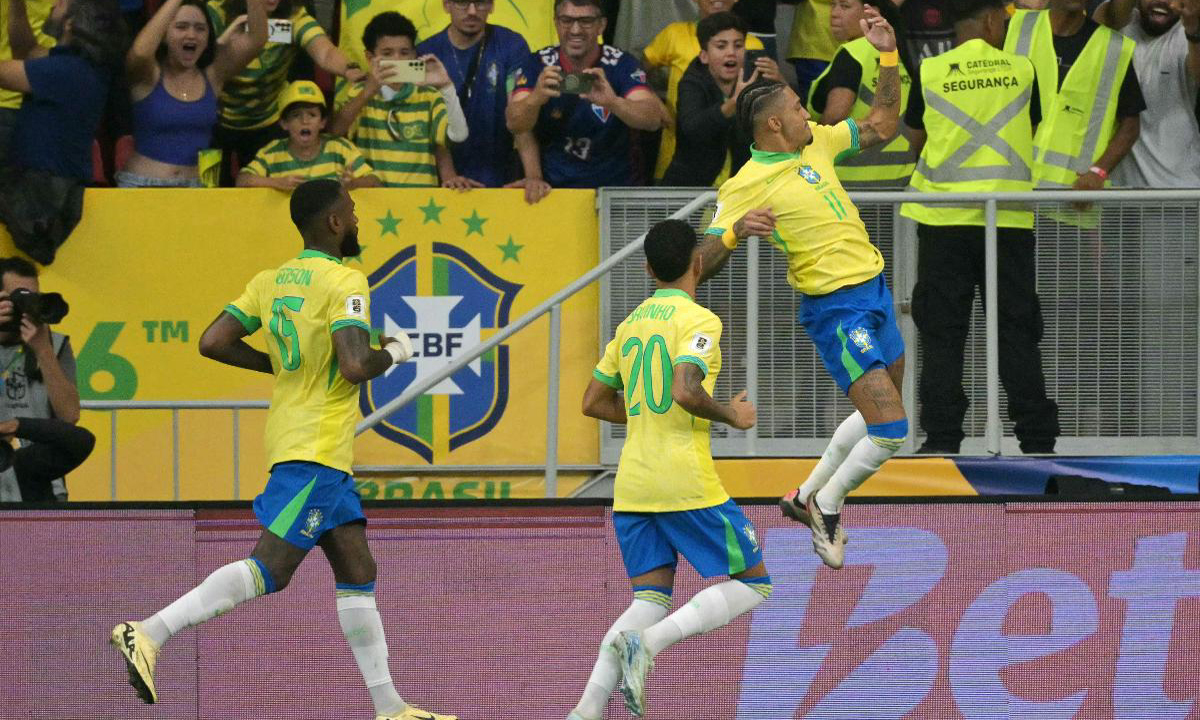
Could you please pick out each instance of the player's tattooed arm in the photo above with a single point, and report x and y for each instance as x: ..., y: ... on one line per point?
x: 603, y: 402
x: 357, y: 360
x: 688, y: 392
x: 883, y: 121
x: 715, y: 256
x: 224, y: 341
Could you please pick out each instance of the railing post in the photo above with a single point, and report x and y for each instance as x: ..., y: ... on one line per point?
x: 993, y: 430
x: 237, y: 490
x: 552, y: 401
x: 175, y: 450
x: 112, y: 455
x: 752, y: 280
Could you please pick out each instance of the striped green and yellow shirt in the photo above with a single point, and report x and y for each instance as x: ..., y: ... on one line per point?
x: 336, y: 155
x: 398, y: 136
x: 250, y: 100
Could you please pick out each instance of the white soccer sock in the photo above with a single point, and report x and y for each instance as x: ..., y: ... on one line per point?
x: 363, y: 629
x: 851, y: 431
x: 226, y: 587
x: 606, y: 672
x: 862, y: 462
x: 711, y: 608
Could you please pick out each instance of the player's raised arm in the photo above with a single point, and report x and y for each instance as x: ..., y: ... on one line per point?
x: 716, y: 249
x: 604, y: 402
x: 883, y: 121
x: 688, y: 392
x: 359, y: 362
x: 224, y: 341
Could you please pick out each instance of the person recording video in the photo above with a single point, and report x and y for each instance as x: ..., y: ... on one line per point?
x: 40, y: 400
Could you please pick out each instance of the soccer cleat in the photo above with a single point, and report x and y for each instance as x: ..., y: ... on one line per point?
x: 412, y: 713
x: 140, y: 657
x: 826, y: 542
x: 636, y: 665
x: 575, y: 716
x: 794, y: 510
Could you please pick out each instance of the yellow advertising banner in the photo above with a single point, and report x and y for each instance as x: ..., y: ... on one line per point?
x: 533, y: 19
x: 147, y: 270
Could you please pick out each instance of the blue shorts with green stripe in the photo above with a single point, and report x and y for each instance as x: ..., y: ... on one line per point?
x: 854, y: 329
x: 304, y: 500
x: 716, y: 540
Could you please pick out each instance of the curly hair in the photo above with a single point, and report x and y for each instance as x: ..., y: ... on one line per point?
x: 98, y: 32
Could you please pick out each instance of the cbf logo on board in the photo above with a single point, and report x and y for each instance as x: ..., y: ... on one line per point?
x: 445, y: 306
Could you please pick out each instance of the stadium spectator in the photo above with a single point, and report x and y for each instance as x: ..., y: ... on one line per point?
x: 673, y: 50
x: 306, y: 153
x: 1167, y: 58
x: 38, y: 370
x: 176, y: 71
x: 50, y: 159
x: 582, y: 125
x: 31, y: 13
x: 760, y: 19
x: 996, y: 107
x: 812, y: 44
x: 847, y: 88
x: 402, y: 127
x: 716, y: 147
x: 928, y: 27
x: 480, y: 59
x: 249, y: 110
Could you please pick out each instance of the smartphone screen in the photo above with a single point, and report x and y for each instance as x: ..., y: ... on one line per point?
x: 577, y: 83
x: 403, y: 71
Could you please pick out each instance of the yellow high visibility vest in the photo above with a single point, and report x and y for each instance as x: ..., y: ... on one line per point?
x: 1078, y: 119
x: 980, y: 137
x: 883, y: 166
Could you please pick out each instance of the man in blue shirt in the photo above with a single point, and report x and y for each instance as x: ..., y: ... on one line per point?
x: 481, y: 60
x: 584, y: 137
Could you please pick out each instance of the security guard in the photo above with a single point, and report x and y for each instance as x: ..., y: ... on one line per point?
x: 1089, y: 92
x: 978, y: 106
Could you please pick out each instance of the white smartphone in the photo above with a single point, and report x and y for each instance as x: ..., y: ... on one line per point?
x: 403, y: 71
x: 279, y: 31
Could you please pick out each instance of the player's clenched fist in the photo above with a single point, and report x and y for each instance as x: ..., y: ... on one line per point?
x: 744, y: 412
x: 760, y: 223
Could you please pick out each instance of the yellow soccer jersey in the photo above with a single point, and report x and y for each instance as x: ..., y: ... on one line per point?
x: 302, y: 303
x: 666, y: 464
x: 816, y: 224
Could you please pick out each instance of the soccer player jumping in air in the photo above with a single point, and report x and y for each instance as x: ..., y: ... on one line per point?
x: 657, y: 375
x: 788, y: 192
x: 316, y: 312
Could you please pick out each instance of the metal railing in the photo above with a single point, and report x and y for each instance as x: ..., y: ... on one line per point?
x: 1120, y: 297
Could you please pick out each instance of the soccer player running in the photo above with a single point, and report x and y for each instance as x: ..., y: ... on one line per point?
x: 316, y: 313
x: 657, y: 375
x: 788, y: 192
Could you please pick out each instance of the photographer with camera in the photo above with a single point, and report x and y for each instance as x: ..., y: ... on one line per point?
x: 40, y: 399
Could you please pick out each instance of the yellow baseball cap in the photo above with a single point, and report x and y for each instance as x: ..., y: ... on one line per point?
x: 301, y: 91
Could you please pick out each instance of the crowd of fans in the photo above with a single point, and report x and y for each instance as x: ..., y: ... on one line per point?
x: 210, y: 92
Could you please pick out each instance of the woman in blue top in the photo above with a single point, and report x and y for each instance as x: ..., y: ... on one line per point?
x: 176, y: 69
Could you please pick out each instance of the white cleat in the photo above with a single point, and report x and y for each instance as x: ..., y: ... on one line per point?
x: 636, y: 665
x: 830, y: 547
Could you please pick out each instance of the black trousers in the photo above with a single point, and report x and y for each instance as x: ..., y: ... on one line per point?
x: 950, y: 266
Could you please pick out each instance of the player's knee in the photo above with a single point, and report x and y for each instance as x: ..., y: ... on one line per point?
x: 890, y: 435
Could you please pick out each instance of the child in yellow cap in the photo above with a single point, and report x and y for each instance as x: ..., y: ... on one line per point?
x: 306, y: 153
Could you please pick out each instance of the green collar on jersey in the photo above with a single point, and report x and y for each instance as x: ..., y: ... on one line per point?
x: 768, y: 158
x: 318, y: 254
x: 671, y: 292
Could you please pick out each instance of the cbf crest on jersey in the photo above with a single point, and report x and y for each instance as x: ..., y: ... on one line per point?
x: 461, y: 300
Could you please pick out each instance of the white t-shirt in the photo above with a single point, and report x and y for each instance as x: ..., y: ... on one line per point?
x: 1167, y: 151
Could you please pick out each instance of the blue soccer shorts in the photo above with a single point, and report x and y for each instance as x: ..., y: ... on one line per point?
x: 854, y: 329
x: 716, y: 540
x: 304, y: 500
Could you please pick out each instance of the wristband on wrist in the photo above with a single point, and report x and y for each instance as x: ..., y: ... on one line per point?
x: 396, y: 351
x: 890, y: 58
x: 729, y: 239
x: 1099, y: 171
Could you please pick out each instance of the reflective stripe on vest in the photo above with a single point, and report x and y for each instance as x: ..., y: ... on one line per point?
x: 887, y: 165
x: 972, y: 121
x: 1029, y: 35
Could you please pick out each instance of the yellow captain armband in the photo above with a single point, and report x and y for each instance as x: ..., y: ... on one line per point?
x: 889, y: 59
x: 729, y: 239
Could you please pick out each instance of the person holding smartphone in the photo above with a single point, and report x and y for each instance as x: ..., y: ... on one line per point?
x: 708, y: 95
